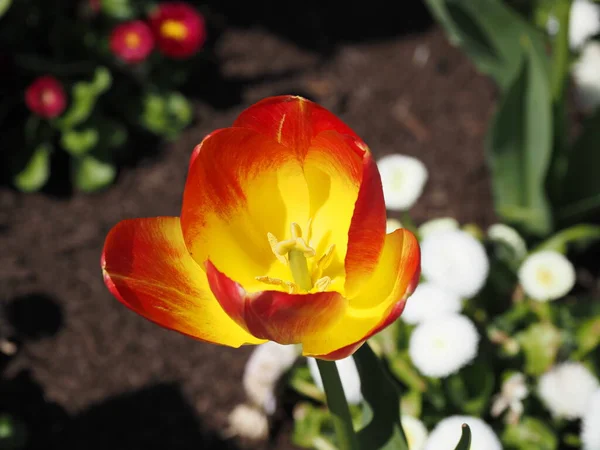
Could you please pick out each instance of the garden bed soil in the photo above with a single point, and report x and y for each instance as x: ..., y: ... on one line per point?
x: 91, y: 374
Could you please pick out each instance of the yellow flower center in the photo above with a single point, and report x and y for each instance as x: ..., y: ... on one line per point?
x: 174, y: 29
x: 545, y: 277
x: 48, y: 97
x: 295, y: 253
x: 132, y: 39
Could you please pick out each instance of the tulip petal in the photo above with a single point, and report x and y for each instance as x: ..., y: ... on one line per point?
x: 291, y: 120
x: 380, y: 300
x: 147, y: 267
x: 275, y: 315
x: 242, y: 185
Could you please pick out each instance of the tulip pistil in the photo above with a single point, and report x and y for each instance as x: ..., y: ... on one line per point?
x: 294, y: 253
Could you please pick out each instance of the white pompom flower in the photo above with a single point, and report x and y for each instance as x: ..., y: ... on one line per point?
x: 566, y: 389
x: 428, y: 301
x: 248, y: 422
x: 584, y: 22
x: 585, y: 76
x: 443, y: 345
x: 415, y: 431
x: 438, y: 225
x: 447, y: 433
x: 590, y: 425
x: 500, y: 232
x: 266, y: 365
x: 403, y: 178
x: 392, y: 225
x: 348, y: 376
x: 456, y: 261
x: 547, y: 275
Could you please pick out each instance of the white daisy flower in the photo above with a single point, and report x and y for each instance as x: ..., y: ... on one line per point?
x: 510, y: 237
x: 456, y: 261
x: 566, y: 389
x: 348, y: 376
x: 403, y: 178
x: 438, y: 225
x: 547, y: 275
x: 392, y: 225
x: 267, y: 363
x: 248, y: 422
x: 446, y: 434
x: 429, y: 300
x: 584, y: 22
x: 514, y: 391
x: 415, y: 431
x: 585, y: 76
x: 441, y: 346
x: 590, y: 425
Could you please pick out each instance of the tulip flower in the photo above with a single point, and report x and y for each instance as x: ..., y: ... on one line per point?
x: 46, y: 97
x: 281, y: 238
x: 132, y: 41
x: 179, y: 29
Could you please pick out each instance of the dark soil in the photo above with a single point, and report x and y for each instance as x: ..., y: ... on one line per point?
x: 90, y: 374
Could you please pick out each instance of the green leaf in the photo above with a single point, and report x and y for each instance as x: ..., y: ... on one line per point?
x: 4, y: 5
x: 530, y: 433
x: 587, y: 336
x: 402, y: 369
x: 92, y: 174
x: 78, y: 143
x: 37, y: 170
x: 84, y: 97
x: 471, y: 388
x: 118, y: 9
x: 465, y: 438
x: 488, y: 31
x: 519, y: 145
x: 384, y: 431
x: 581, y: 235
x: 166, y: 114
x: 540, y: 343
x: 580, y: 199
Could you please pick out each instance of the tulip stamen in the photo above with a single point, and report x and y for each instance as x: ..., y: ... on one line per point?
x: 292, y: 287
x: 323, y: 283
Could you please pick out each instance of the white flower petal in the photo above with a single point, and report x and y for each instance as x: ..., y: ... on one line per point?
x: 249, y: 423
x: 566, y: 389
x: 429, y: 300
x: 267, y: 363
x: 403, y: 178
x: 509, y: 236
x: 348, y: 375
x: 585, y: 76
x: 590, y: 425
x: 584, y: 22
x: 392, y: 225
x: 415, y: 431
x: 547, y: 275
x: 443, y: 345
x: 438, y: 225
x: 447, y: 433
x: 456, y: 261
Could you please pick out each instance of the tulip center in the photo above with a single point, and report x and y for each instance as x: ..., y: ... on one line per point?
x: 174, y: 29
x: 300, y: 257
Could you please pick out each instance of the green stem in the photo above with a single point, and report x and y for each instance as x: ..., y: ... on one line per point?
x: 560, y: 63
x: 338, y: 406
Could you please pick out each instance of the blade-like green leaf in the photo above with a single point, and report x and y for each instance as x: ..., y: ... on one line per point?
x: 79, y: 142
x: 465, y: 438
x: 92, y: 174
x: 519, y: 145
x: 4, y: 5
x: 384, y: 431
x: 581, y: 236
x: 37, y: 170
x: 580, y: 199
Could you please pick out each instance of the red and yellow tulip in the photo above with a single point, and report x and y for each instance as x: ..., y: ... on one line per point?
x: 281, y: 237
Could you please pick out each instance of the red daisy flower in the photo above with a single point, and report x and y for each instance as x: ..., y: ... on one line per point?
x: 132, y: 41
x: 46, y: 97
x: 179, y: 29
